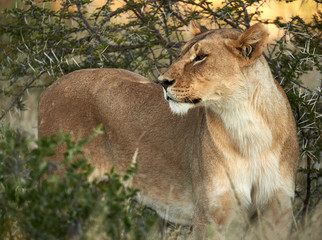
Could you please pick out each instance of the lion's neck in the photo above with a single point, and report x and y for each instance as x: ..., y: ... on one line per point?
x: 246, y: 118
x: 247, y: 130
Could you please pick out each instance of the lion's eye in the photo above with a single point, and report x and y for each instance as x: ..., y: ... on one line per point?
x: 200, y: 57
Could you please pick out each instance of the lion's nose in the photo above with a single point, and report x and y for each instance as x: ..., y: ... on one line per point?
x: 166, y: 82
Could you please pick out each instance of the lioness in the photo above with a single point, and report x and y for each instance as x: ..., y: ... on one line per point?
x: 228, y: 144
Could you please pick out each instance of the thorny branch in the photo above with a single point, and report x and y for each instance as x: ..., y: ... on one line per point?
x: 115, y: 48
x: 215, y: 14
x: 140, y: 15
x: 90, y: 30
x: 16, y: 26
x: 308, y: 178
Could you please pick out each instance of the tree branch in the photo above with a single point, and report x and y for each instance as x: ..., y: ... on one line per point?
x: 112, y: 14
x: 115, y: 48
x: 141, y: 16
x: 301, y: 86
x: 90, y: 30
x: 215, y: 14
x: 16, y: 26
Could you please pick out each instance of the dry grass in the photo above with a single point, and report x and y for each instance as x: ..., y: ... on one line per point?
x: 304, y: 228
x: 307, y: 228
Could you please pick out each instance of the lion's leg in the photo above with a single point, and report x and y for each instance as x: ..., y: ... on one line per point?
x: 221, y: 213
x: 216, y: 218
x: 199, y: 229
x: 201, y: 211
x: 275, y: 220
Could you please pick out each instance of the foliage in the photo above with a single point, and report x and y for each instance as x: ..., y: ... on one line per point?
x: 295, y: 53
x: 38, y: 204
x: 41, y: 43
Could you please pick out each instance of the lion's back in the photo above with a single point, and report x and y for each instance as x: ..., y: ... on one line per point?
x: 83, y: 96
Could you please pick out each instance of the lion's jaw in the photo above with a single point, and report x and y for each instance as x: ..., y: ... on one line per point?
x: 175, y: 106
x: 179, y: 108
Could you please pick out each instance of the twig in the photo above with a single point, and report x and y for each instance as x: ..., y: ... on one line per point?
x: 80, y: 14
x: 20, y: 95
x: 142, y: 17
x: 112, y: 14
x: 179, y: 18
x: 215, y: 14
x: 166, y: 29
x: 100, y: 11
x: 115, y: 48
x: 247, y: 19
x: 308, y: 178
x: 16, y: 26
x: 90, y: 30
x: 301, y: 86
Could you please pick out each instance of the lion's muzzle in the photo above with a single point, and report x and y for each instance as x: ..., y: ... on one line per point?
x: 165, y: 83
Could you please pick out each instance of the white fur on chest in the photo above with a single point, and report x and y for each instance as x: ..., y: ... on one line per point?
x: 253, y: 181
x: 252, y: 166
x: 256, y: 181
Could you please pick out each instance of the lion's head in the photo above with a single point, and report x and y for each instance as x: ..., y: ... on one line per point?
x: 210, y: 66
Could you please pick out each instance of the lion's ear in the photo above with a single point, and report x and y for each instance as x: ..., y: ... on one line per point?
x: 195, y: 29
x: 250, y: 44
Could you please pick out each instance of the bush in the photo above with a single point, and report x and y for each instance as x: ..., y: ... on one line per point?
x: 38, y: 204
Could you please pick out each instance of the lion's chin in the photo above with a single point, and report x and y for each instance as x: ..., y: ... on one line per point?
x: 180, y: 108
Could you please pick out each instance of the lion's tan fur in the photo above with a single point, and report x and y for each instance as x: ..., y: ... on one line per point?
x: 234, y: 147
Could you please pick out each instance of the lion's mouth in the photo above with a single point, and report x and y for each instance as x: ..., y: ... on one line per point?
x: 195, y: 101
x: 185, y: 100
x: 168, y: 97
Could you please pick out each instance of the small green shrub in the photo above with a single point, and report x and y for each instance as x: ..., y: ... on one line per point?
x: 37, y: 204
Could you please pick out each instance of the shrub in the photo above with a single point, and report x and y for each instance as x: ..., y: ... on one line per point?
x: 38, y: 204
